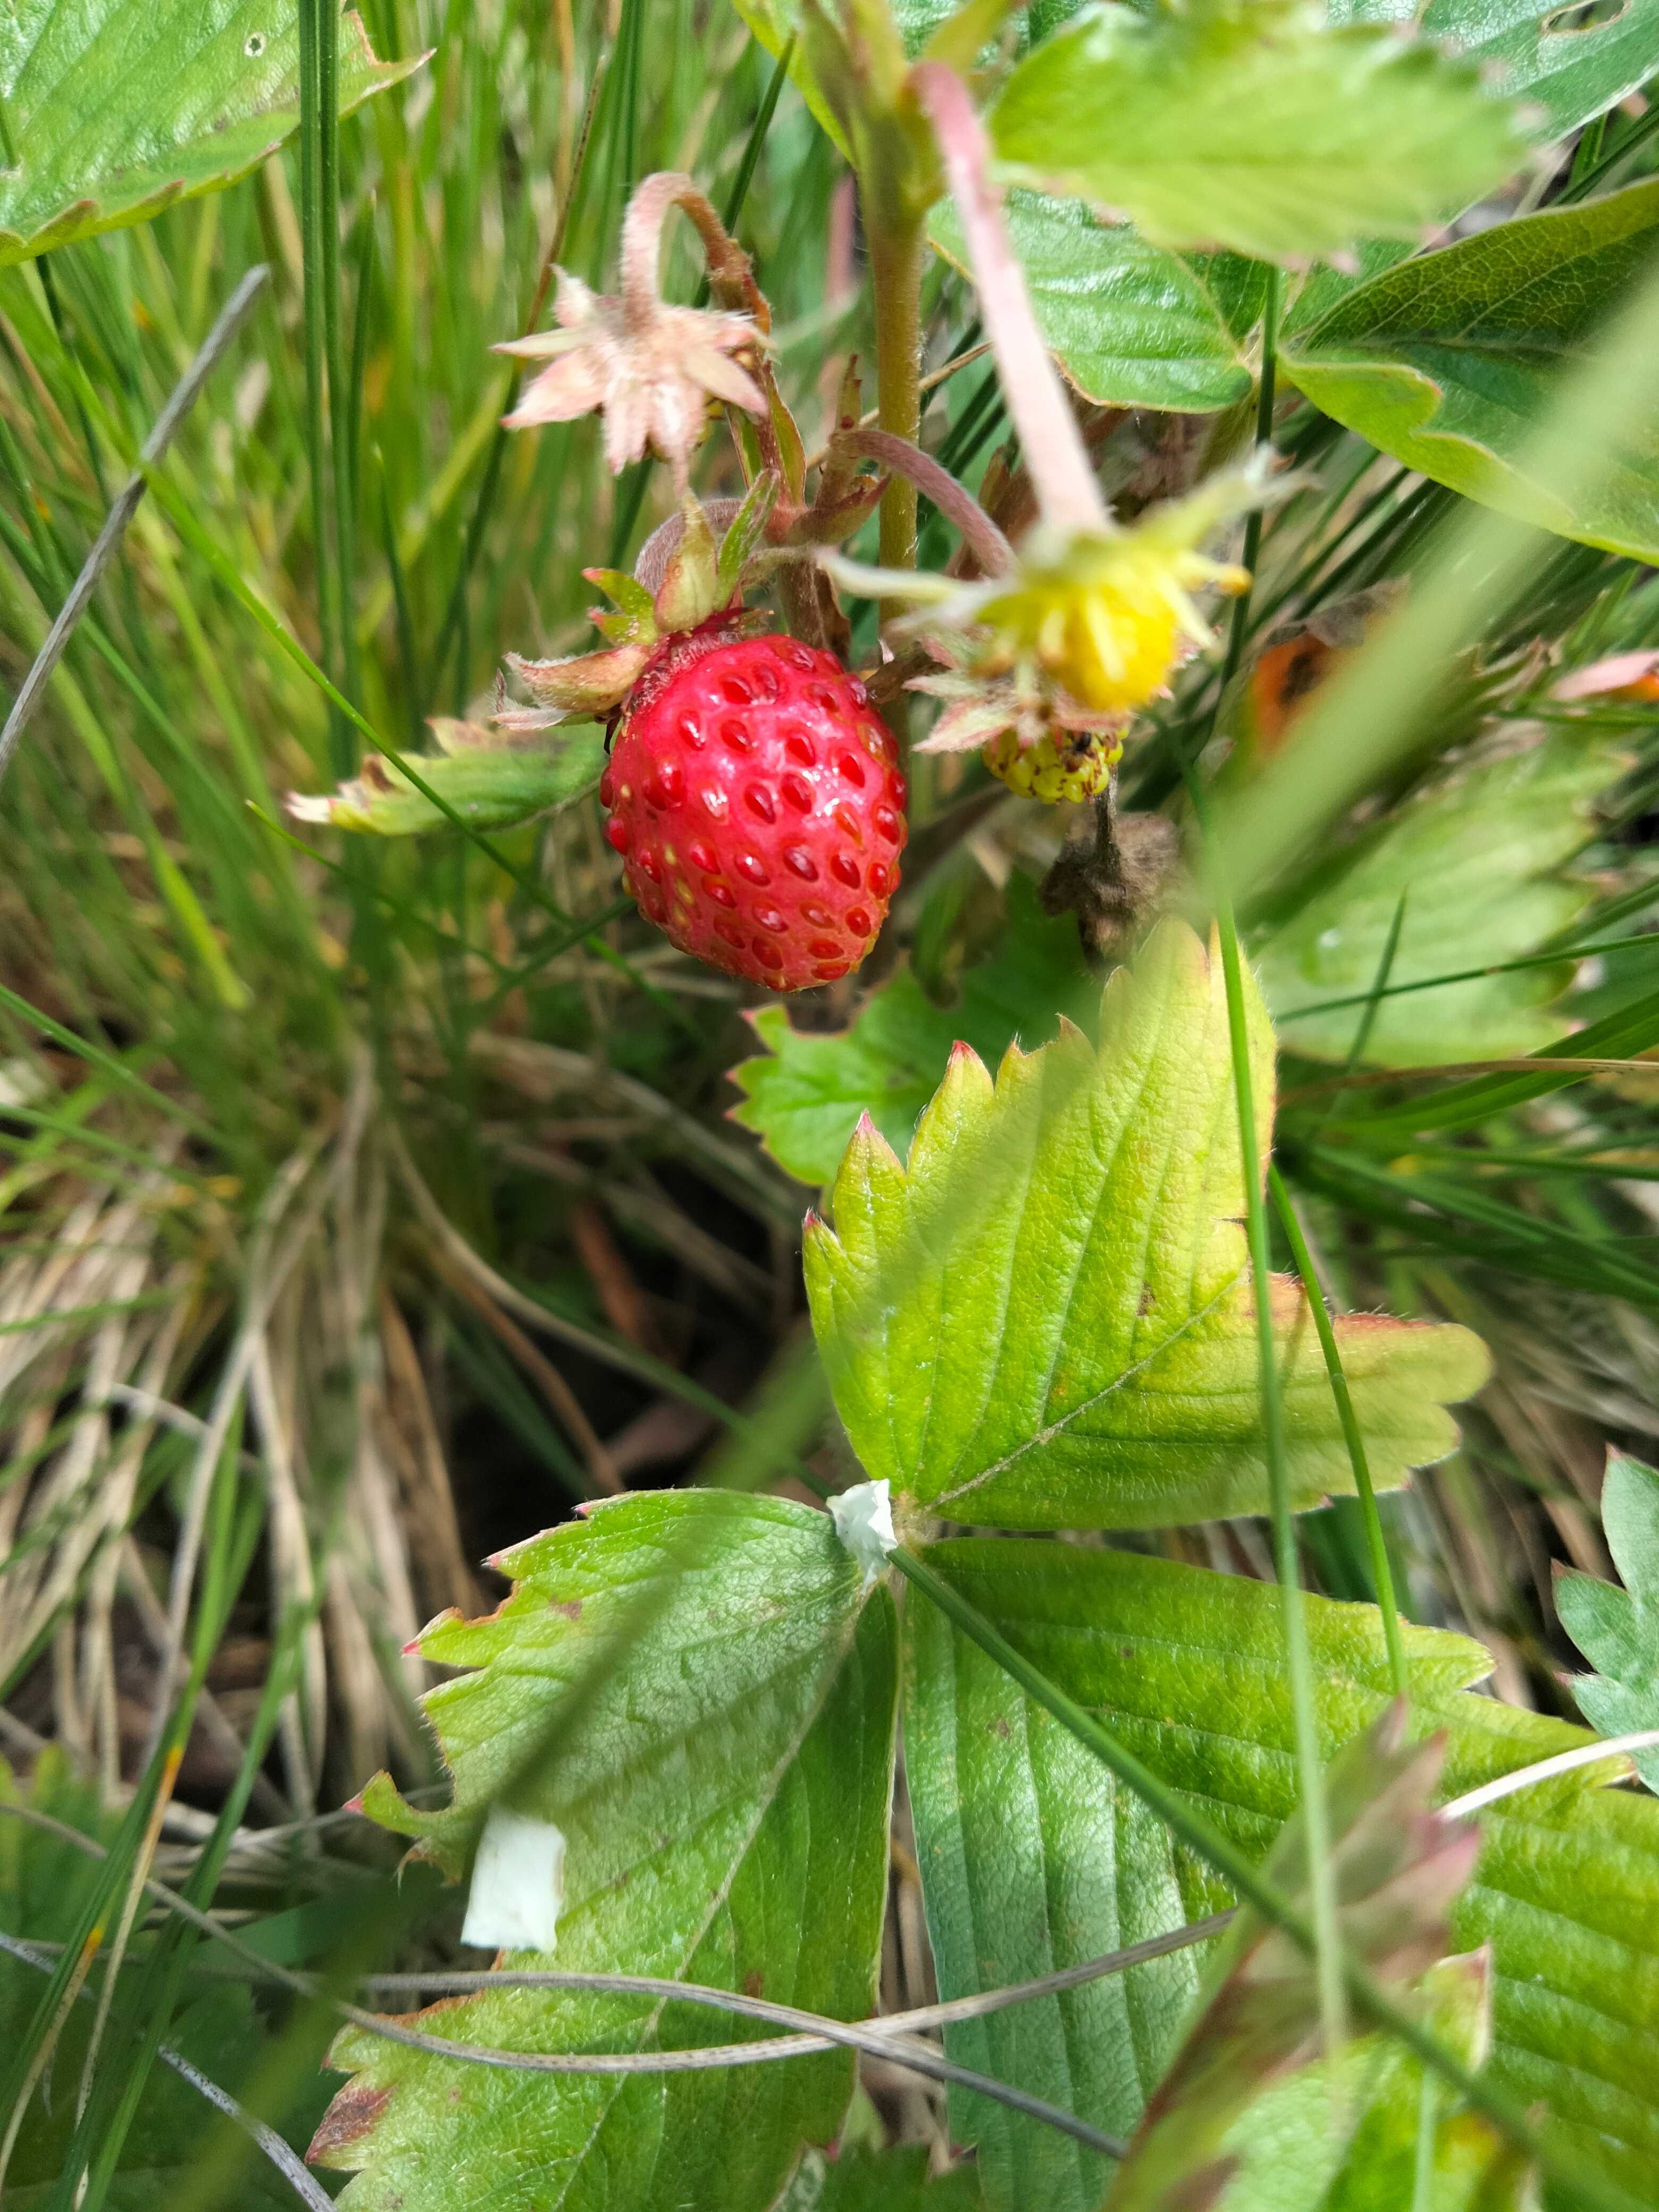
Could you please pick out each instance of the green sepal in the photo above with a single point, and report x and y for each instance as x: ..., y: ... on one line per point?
x: 743, y: 534
x: 489, y: 790
x: 634, y: 621
x: 690, y: 591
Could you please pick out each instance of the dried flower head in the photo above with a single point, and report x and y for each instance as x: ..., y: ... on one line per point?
x: 650, y: 368
x: 651, y: 374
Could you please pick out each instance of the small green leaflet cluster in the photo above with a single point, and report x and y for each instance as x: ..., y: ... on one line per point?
x: 116, y: 108
x: 698, y: 1689
x: 1044, y: 1320
x: 1252, y: 125
x: 804, y: 1096
x: 1618, y: 1630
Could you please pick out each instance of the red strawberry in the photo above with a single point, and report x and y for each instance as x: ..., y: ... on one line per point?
x: 757, y: 800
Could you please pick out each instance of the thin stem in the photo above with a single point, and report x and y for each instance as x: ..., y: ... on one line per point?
x: 1050, y: 442
x: 954, y: 501
x: 898, y: 246
x: 1558, y: 957
x: 1362, y: 1036
x: 1238, y: 629
x: 1321, y: 1877
x: 339, y: 401
x: 483, y: 504
x: 312, y: 103
x: 885, y: 2038
x: 977, y: 2007
x: 1382, y: 1573
x: 104, y: 545
x: 1580, y: 187
x: 752, y: 150
x: 640, y: 259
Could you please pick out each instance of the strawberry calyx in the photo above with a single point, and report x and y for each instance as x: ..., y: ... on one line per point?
x: 696, y: 581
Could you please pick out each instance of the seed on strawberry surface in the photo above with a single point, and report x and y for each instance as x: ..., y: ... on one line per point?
x: 768, y: 837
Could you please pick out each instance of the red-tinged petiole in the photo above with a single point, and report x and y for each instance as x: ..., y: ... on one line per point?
x: 1051, y: 444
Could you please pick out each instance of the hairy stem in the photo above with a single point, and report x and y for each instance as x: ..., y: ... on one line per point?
x: 729, y: 273
x: 1052, y: 446
x: 954, y: 501
x: 897, y: 253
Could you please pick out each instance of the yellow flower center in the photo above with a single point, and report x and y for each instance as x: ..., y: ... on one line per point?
x: 1106, y: 619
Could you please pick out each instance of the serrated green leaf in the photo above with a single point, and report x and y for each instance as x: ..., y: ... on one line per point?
x: 1186, y: 1668
x: 722, y: 1778
x: 1449, y: 361
x: 490, y: 789
x: 1571, y: 68
x: 1046, y: 1322
x: 1033, y: 1858
x: 1618, y: 1630
x: 1474, y: 853
x: 892, y: 2180
x: 804, y: 1097
x: 1396, y: 1870
x: 1131, y: 324
x: 1255, y: 127
x: 117, y: 108
x: 1348, y: 2142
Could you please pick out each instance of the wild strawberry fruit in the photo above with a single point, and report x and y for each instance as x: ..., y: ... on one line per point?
x: 753, y: 792
x: 757, y: 801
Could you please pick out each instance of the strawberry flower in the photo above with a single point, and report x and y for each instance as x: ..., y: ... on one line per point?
x: 1065, y: 636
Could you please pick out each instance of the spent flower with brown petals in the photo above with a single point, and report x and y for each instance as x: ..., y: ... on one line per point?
x: 649, y: 367
x: 651, y: 376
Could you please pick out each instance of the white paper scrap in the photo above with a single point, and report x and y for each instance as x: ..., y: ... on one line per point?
x: 517, y: 1883
x: 864, y: 1522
